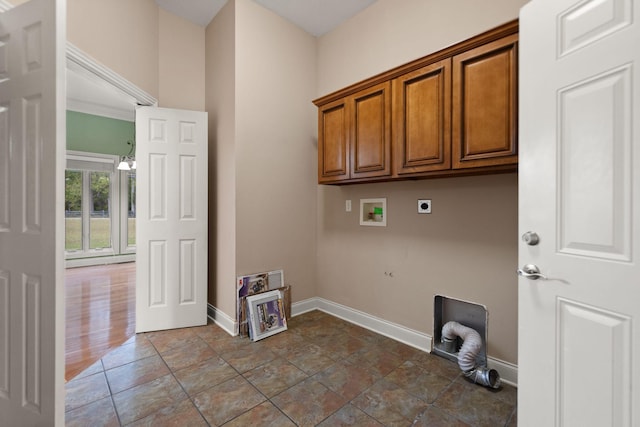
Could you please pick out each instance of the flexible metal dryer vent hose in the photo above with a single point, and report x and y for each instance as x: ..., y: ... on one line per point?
x: 467, y: 355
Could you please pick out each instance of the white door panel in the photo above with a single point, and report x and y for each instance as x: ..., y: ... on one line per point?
x: 579, y: 189
x: 171, y: 228
x: 594, y: 159
x: 32, y: 144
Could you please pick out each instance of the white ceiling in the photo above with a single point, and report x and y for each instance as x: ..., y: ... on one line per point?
x: 200, y: 12
x: 316, y: 17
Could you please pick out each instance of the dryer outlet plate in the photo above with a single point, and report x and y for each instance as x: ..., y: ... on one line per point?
x: 424, y: 206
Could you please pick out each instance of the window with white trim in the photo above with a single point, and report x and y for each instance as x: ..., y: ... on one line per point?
x: 97, y: 206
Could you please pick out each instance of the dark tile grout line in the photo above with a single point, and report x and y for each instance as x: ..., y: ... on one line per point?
x: 177, y: 381
x: 113, y: 402
x: 268, y: 399
x: 308, y: 377
x: 191, y: 398
x: 349, y: 401
x: 217, y: 354
x: 440, y: 394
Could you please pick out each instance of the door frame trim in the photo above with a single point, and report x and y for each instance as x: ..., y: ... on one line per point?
x: 78, y: 60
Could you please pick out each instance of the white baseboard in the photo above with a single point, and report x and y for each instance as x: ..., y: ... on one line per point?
x: 102, y: 260
x: 223, y: 320
x: 508, y: 371
x: 304, y: 306
x: 397, y: 332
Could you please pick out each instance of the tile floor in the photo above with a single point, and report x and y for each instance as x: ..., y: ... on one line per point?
x: 322, y: 371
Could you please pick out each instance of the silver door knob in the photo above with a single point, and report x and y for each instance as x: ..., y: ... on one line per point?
x: 531, y: 271
x: 531, y: 238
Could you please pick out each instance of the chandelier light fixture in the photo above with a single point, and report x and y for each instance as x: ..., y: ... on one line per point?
x: 128, y: 162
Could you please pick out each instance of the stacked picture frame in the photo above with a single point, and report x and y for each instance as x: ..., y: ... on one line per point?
x: 270, y: 300
x: 266, y: 314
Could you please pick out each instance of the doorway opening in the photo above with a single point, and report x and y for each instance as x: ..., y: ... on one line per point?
x: 100, y: 211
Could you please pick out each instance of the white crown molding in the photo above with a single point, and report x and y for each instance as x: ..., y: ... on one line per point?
x: 5, y: 5
x: 78, y: 60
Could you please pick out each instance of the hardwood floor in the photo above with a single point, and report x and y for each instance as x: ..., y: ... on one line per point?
x: 100, y: 312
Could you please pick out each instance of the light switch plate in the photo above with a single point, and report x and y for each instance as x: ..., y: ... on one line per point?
x: 347, y: 205
x: 424, y: 206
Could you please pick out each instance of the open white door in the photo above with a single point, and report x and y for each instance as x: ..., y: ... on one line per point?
x: 171, y: 223
x: 579, y: 174
x: 32, y: 146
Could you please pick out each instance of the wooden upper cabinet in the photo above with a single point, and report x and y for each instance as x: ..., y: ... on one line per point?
x: 371, y: 132
x: 453, y: 112
x: 333, y: 142
x: 354, y: 136
x: 485, y: 105
x: 422, y: 119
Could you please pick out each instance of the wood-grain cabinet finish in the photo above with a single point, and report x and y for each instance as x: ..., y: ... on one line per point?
x: 333, y: 142
x: 354, y: 139
x: 450, y: 113
x: 484, y: 105
x: 422, y: 119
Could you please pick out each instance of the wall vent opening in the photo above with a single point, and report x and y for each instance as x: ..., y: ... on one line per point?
x: 454, y: 321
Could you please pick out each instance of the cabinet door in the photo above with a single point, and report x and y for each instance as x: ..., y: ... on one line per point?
x: 485, y: 105
x: 422, y: 119
x: 333, y: 142
x: 370, y: 127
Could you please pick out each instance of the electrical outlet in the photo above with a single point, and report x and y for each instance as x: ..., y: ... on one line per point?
x: 424, y: 206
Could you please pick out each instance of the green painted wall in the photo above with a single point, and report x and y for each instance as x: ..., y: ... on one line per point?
x: 95, y: 134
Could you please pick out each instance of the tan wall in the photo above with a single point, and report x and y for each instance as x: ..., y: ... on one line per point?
x: 261, y: 73
x: 181, y: 63
x: 467, y: 248
x: 393, y: 32
x: 121, y: 34
x: 260, y: 79
x: 155, y: 50
x: 276, y: 151
x: 220, y: 105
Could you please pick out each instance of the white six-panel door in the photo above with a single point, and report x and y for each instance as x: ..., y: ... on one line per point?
x: 171, y: 222
x: 579, y: 174
x: 32, y: 144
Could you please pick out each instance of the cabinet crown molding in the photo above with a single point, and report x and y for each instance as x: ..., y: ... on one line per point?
x: 496, y: 33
